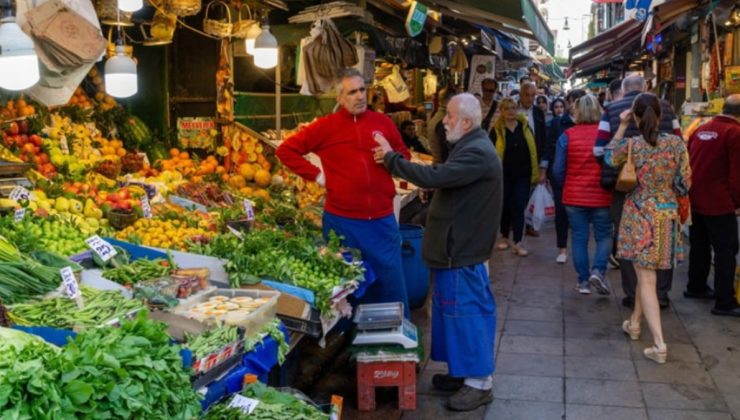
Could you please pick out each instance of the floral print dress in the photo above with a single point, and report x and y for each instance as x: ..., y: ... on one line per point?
x: 650, y: 231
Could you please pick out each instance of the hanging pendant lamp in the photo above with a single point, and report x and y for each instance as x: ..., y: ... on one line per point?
x: 265, y: 49
x: 19, y: 64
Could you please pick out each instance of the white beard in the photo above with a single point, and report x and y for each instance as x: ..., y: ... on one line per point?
x: 455, y: 133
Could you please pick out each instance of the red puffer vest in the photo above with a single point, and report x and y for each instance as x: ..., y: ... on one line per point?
x: 582, y: 187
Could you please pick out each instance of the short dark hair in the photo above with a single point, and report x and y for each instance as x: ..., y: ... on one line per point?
x: 524, y: 79
x: 615, y: 86
x: 488, y: 80
x: 539, y: 98
x: 514, y: 92
x: 731, y: 108
x: 405, y: 124
x: 574, y: 94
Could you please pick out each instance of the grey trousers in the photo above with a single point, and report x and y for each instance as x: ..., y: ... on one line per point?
x: 629, y: 276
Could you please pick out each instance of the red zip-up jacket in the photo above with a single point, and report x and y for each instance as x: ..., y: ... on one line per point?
x: 714, y: 153
x: 356, y: 186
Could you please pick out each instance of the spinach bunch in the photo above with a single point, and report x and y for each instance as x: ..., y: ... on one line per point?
x: 274, y: 405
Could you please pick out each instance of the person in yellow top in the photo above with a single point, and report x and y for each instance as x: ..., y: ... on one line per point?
x: 517, y: 149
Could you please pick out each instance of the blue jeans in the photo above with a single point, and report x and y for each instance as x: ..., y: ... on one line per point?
x: 580, y: 218
x: 379, y: 240
x: 516, y: 197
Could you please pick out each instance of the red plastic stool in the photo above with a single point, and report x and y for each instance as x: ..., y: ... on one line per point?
x: 378, y: 374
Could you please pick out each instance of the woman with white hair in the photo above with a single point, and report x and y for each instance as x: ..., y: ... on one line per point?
x: 586, y: 203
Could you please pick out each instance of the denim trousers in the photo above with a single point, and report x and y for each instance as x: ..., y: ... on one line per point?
x: 581, y: 219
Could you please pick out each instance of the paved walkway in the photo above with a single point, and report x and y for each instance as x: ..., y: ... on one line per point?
x: 560, y: 355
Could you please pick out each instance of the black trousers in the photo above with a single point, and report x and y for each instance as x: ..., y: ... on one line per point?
x: 561, y: 216
x: 626, y: 268
x: 718, y: 234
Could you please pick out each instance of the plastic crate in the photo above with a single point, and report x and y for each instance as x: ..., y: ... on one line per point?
x: 311, y: 326
x: 251, y: 323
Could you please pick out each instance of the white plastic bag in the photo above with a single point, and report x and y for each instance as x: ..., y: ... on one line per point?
x: 541, y: 208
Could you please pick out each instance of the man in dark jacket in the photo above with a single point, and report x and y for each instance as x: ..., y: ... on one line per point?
x: 537, y: 123
x: 631, y: 87
x: 461, y: 230
x: 714, y: 151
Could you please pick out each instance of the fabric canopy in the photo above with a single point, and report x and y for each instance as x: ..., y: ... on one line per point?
x: 519, y: 17
x: 607, y: 47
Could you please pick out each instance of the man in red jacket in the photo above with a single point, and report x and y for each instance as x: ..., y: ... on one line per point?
x: 714, y: 151
x: 359, y: 192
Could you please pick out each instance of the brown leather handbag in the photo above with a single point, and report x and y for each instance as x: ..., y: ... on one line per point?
x: 627, y: 180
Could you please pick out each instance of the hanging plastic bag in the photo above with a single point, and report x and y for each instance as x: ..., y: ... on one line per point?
x: 541, y: 208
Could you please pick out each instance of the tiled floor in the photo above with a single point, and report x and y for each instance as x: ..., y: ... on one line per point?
x: 560, y: 355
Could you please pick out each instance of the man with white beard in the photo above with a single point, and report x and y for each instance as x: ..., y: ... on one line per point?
x: 461, y: 229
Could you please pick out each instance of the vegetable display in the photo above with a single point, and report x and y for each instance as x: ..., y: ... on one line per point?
x: 272, y: 329
x: 211, y: 340
x: 50, y: 234
x: 22, y: 277
x: 131, y: 372
x: 273, y: 405
x: 62, y: 312
x: 139, y: 270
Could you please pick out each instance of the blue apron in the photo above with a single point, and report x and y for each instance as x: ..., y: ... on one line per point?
x: 463, y: 321
x: 379, y: 240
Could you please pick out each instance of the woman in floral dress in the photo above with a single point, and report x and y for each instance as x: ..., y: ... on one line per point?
x: 650, y: 231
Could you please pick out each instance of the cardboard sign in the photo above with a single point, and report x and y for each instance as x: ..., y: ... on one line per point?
x: 104, y: 250
x: 146, y: 207
x: 248, y: 209
x: 19, y: 214
x: 197, y: 132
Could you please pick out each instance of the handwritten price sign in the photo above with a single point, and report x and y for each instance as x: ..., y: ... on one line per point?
x: 104, y: 250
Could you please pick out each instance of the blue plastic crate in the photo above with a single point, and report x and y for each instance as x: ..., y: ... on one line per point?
x: 137, y: 252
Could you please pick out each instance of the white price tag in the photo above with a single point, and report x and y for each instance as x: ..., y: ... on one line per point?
x: 70, y: 283
x: 248, y: 209
x: 145, y: 207
x: 63, y: 145
x: 104, y: 250
x: 19, y: 193
x: 19, y: 214
x: 247, y: 405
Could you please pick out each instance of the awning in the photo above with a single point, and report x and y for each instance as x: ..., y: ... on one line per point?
x: 519, y: 17
x: 607, y: 47
x: 664, y: 13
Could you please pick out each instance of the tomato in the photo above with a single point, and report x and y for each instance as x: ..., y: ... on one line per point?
x: 29, y: 148
x: 23, y: 139
x: 23, y: 126
x: 36, y: 140
x: 124, y: 194
x: 13, y: 128
x: 44, y: 158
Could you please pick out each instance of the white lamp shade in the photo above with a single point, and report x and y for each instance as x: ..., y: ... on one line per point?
x: 265, y: 49
x: 19, y: 65
x: 252, y: 34
x: 130, y: 5
x: 120, y: 75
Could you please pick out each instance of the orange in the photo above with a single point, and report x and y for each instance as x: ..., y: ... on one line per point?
x: 237, y: 181
x: 121, y: 152
x: 266, y: 166
x: 262, y: 178
x: 263, y: 194
x: 184, y: 155
x: 247, y: 171
x: 174, y: 152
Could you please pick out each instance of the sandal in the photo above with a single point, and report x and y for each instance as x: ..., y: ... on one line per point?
x: 632, y: 331
x: 656, y: 354
x: 503, y: 244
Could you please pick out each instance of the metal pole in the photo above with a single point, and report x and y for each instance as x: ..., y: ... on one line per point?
x: 278, y: 101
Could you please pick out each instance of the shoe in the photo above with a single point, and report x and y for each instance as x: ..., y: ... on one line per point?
x: 597, y: 281
x: 614, y: 262
x: 727, y: 312
x: 706, y: 294
x: 519, y: 250
x: 656, y: 354
x: 631, y: 330
x: 562, y: 259
x: 531, y: 232
x: 445, y: 382
x: 469, y: 398
x: 628, y: 302
x: 664, y: 303
x: 583, y: 288
x: 503, y: 244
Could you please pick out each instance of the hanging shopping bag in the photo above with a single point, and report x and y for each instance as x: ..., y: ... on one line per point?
x: 541, y: 208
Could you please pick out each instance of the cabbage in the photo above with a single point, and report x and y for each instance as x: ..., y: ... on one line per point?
x: 18, y: 339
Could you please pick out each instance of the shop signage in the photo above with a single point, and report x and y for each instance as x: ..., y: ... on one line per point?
x: 637, y: 9
x: 197, y: 132
x: 416, y: 18
x: 104, y: 250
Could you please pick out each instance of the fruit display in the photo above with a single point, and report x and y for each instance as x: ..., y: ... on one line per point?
x: 170, y: 234
x: 134, y: 133
x: 16, y: 109
x: 50, y: 234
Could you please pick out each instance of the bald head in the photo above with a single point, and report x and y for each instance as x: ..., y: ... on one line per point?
x: 633, y: 83
x: 527, y: 93
x: 732, y: 106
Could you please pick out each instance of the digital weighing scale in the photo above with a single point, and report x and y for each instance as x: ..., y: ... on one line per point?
x: 383, y: 323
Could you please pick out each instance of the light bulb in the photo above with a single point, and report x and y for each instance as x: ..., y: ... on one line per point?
x: 265, y: 49
x: 19, y: 65
x: 130, y: 5
x: 120, y: 75
x: 252, y: 33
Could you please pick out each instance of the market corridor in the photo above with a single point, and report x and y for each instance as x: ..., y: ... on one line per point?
x: 561, y: 355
